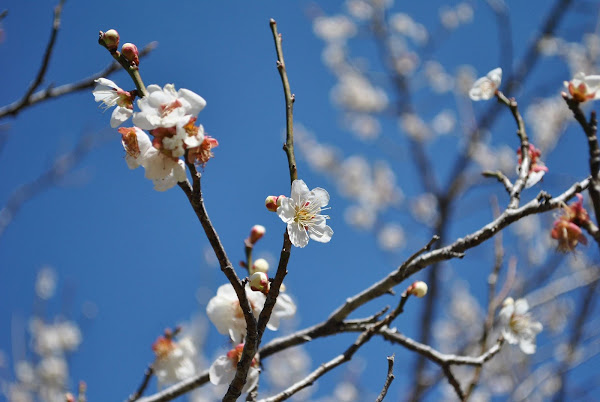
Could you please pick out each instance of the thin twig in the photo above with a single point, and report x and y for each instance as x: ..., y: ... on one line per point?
x: 492, y: 283
x: 147, y: 376
x: 525, y: 166
x: 501, y: 178
x: 363, y: 338
x: 47, y: 53
x: 388, y: 379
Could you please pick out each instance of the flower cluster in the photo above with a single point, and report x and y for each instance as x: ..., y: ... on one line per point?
x: 537, y: 168
x: 518, y: 326
x: 169, y: 115
x: 567, y: 228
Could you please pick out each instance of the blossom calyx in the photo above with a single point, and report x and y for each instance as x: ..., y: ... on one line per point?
x: 567, y: 228
x: 256, y: 233
x: 273, y: 201
x: 260, y: 265
x: 419, y: 289
x: 131, y: 54
x: 109, y: 39
x: 259, y: 282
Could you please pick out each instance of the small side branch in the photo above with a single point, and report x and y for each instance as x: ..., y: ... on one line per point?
x: 501, y: 178
x: 147, y: 376
x: 388, y: 379
x: 525, y: 166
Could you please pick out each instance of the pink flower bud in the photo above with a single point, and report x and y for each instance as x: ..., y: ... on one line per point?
x: 419, y: 289
x: 260, y: 265
x: 110, y: 40
x: 256, y: 233
x: 273, y: 201
x: 130, y: 52
x: 259, y: 282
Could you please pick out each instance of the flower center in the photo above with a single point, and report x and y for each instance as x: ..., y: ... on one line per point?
x: 168, y: 108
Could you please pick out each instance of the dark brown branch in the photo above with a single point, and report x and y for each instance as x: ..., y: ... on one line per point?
x: 54, y: 92
x: 195, y: 198
x: 537, y: 205
x: 453, y: 381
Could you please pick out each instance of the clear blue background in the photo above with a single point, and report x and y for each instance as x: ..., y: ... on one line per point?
x: 139, y: 255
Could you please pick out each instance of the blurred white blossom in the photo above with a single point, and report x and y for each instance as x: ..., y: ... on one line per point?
x: 335, y: 28
x: 518, y: 326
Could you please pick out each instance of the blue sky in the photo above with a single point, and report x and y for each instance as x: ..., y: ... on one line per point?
x: 139, y: 255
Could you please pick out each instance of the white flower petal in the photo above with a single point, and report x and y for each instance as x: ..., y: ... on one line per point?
x: 320, y: 233
x: 297, y: 233
x: 320, y: 196
x: 299, y: 191
x: 221, y: 371
x: 120, y: 115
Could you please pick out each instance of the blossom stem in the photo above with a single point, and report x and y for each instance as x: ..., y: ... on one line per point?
x: 525, y: 167
x: 133, y: 72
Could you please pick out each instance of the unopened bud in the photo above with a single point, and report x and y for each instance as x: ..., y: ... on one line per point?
x: 256, y: 233
x: 419, y: 289
x: 272, y: 202
x: 508, y: 301
x: 259, y: 282
x: 69, y: 397
x: 130, y: 52
x: 110, y: 40
x: 260, y: 265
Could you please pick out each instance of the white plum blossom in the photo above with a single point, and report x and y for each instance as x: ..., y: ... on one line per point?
x: 518, y: 326
x: 164, y: 171
x: 167, y: 107
x: 284, y: 308
x: 584, y: 87
x: 302, y: 213
x: 225, y: 313
x: 174, y: 360
x: 485, y: 87
x: 222, y: 371
x: 111, y: 95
